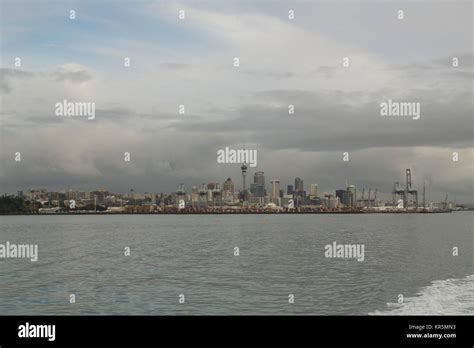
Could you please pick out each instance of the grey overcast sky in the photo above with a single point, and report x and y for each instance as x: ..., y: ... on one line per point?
x: 282, y: 62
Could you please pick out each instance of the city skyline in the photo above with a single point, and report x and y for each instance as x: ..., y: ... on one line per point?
x: 181, y: 99
x: 276, y: 189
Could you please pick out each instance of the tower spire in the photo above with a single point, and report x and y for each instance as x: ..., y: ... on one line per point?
x: 244, y: 174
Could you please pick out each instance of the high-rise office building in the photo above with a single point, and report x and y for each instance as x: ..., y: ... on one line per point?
x: 329, y: 201
x: 257, y: 190
x: 228, y: 191
x: 313, y: 190
x: 289, y: 190
x: 351, y: 196
x: 275, y: 188
x: 259, y: 178
x: 342, y: 195
x: 258, y: 185
x: 229, y: 185
x: 299, y: 186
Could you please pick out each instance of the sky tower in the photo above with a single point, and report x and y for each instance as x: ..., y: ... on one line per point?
x: 244, y: 174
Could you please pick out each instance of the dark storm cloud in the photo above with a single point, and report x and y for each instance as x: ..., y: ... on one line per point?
x: 325, y: 123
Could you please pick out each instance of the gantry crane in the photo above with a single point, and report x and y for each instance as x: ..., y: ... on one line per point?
x: 410, y: 191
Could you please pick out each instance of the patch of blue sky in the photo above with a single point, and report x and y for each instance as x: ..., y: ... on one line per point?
x: 118, y: 26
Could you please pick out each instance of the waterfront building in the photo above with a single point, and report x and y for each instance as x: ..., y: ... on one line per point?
x: 229, y: 185
x: 194, y: 196
x: 285, y: 201
x: 228, y: 192
x: 343, y: 197
x: 351, y: 196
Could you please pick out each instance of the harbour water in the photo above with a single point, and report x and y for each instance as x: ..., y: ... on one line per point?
x: 278, y: 256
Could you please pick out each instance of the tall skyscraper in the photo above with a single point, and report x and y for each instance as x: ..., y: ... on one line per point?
x: 289, y: 190
x: 299, y: 186
x: 275, y: 188
x: 351, y: 196
x: 259, y: 178
x: 313, y: 190
x: 342, y: 195
x: 258, y: 184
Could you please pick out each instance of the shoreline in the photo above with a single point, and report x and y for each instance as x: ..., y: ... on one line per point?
x: 232, y: 213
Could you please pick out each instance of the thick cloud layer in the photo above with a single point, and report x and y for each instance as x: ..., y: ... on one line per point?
x: 282, y: 62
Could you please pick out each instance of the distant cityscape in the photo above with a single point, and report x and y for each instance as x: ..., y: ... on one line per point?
x: 214, y: 197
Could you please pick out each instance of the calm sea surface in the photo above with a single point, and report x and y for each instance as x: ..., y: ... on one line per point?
x: 280, y: 255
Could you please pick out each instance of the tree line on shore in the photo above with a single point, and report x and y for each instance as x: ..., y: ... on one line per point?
x: 14, y: 204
